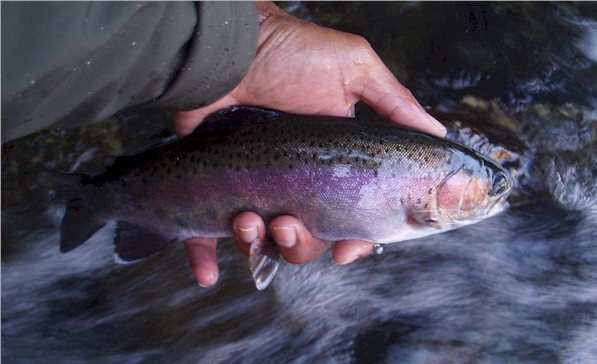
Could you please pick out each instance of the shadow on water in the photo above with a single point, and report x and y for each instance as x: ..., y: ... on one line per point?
x: 516, y: 81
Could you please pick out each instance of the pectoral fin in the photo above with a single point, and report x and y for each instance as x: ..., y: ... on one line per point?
x: 264, y: 260
x: 425, y: 218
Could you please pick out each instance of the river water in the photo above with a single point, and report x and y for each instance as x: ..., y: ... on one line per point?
x: 517, y: 81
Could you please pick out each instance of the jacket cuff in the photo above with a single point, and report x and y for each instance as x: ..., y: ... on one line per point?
x: 216, y: 58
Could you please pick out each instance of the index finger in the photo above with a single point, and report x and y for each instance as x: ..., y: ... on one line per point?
x: 382, y: 91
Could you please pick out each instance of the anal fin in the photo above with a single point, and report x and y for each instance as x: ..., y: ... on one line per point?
x: 264, y: 260
x: 134, y: 243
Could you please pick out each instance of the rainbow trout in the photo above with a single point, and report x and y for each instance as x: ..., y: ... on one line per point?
x: 344, y: 178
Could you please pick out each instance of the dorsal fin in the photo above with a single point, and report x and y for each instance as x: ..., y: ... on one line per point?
x: 236, y: 116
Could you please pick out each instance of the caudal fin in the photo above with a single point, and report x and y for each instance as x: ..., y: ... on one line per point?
x: 79, y: 222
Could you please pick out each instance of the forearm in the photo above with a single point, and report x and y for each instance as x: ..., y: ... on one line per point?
x: 69, y: 64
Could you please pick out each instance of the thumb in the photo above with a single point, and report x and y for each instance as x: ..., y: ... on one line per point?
x: 186, y: 121
x: 383, y: 92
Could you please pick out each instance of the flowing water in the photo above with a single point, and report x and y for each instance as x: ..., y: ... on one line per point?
x: 515, y: 80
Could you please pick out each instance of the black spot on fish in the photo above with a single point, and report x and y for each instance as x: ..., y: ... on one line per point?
x: 429, y: 191
x: 418, y: 201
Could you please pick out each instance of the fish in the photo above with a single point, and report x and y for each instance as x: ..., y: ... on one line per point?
x: 344, y: 178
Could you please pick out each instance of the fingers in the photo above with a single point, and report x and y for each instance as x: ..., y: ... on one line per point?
x: 201, y: 253
x: 295, y: 243
x: 379, y: 88
x: 247, y: 227
x: 347, y: 251
x: 395, y: 102
x: 294, y: 240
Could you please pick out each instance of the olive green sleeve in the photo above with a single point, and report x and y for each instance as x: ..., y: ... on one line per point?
x: 67, y: 64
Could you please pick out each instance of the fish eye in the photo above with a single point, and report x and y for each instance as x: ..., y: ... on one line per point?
x: 500, y: 184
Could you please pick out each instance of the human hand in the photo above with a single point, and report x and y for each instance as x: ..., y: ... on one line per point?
x: 304, y: 68
x: 294, y: 241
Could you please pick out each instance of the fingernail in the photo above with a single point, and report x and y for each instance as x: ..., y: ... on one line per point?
x: 285, y: 236
x: 205, y: 285
x: 248, y: 235
x: 349, y: 260
x: 439, y: 126
x: 210, y: 281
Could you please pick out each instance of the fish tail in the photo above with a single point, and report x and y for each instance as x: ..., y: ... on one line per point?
x: 80, y: 221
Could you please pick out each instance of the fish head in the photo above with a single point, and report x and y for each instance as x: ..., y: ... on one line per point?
x: 476, y: 190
